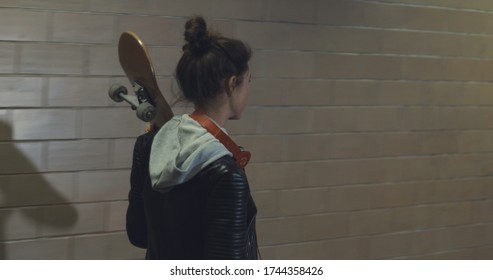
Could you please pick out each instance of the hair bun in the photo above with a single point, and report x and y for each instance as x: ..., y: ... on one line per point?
x: 196, y: 35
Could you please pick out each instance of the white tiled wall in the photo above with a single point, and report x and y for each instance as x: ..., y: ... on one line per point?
x: 370, y: 124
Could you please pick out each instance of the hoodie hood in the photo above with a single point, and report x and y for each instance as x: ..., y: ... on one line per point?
x: 180, y: 150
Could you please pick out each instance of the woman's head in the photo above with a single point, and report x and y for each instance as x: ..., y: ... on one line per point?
x: 211, y: 64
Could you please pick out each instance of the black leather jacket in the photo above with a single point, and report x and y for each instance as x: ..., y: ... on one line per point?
x: 211, y: 216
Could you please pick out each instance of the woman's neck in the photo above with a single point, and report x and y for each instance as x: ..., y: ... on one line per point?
x: 217, y: 115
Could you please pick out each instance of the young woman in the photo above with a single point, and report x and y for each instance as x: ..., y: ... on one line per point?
x: 189, y: 196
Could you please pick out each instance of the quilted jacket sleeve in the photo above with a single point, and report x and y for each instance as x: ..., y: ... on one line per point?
x: 136, y: 222
x: 227, y: 206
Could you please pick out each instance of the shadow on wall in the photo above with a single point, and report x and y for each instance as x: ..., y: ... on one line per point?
x: 27, y: 203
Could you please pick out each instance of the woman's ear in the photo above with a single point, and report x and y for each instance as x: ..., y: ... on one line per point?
x: 231, y: 85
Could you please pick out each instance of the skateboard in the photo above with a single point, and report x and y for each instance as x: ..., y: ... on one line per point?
x: 148, y: 101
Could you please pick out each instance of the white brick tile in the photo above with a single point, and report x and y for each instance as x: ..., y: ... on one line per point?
x: 267, y: 92
x: 41, y: 58
x: 5, y: 125
x: 24, y: 157
x: 290, y: 11
x: 261, y: 35
x: 267, y: 203
x: 103, y: 60
x: 106, y: 246
x: 103, y: 185
x: 309, y: 92
x: 246, y: 125
x: 304, y: 201
x: 285, y: 120
x: 378, y: 119
x: 340, y: 12
x: 326, y: 173
x: 51, y: 4
x: 236, y: 9
x: 310, y: 147
x: 180, y: 8
x: 36, y: 189
x: 44, y: 124
x: 225, y: 27
x: 77, y: 155
x: 116, y: 216
x: 78, y: 92
x: 123, y: 152
x: 145, y: 6
x: 7, y: 57
x: 263, y: 148
x: 18, y: 223
x: 38, y: 249
x: 85, y: 28
x: 165, y: 31
x: 165, y: 59
x: 71, y: 219
x: 277, y: 175
x: 287, y: 64
x: 334, y: 119
x: 23, y: 25
x: 110, y: 122
x: 21, y: 91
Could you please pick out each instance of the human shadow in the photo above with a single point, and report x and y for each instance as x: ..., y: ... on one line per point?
x: 27, y: 202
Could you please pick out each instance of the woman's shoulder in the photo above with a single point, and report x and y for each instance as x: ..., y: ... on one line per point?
x: 224, y: 169
x: 223, y: 165
x: 225, y: 182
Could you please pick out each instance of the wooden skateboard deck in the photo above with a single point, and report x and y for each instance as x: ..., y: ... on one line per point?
x: 148, y: 101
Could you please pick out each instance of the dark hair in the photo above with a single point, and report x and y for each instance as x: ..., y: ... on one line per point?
x: 208, y: 61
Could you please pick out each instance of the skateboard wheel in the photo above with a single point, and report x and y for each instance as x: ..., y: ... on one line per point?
x: 146, y: 112
x: 115, y: 91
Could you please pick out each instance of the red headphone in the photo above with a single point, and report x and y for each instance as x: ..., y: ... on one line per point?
x: 242, y: 157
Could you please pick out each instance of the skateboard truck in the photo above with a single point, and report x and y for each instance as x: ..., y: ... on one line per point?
x: 144, y: 109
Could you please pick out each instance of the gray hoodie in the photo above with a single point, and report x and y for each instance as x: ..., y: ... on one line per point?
x: 180, y: 150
